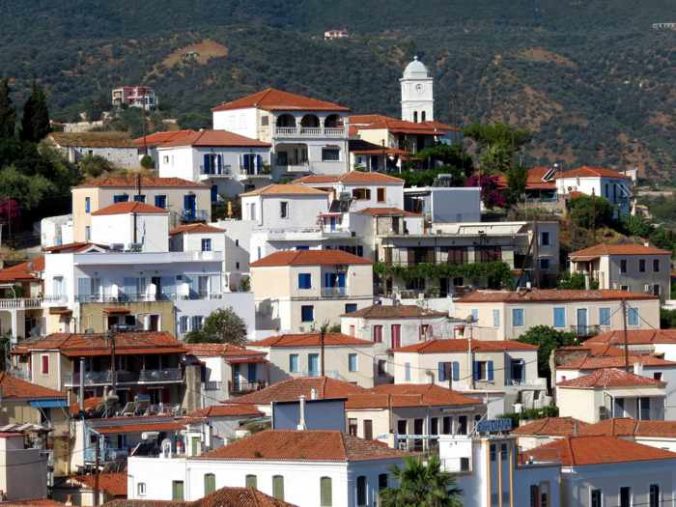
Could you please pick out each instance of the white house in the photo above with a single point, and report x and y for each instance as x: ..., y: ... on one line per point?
x: 116, y: 147
x: 305, y: 468
x: 306, y: 134
x: 598, y: 181
x: 56, y: 230
x: 444, y: 204
x: 300, y: 355
x: 229, y: 163
x: 131, y: 226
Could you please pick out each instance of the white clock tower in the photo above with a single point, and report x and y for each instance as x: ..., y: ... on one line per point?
x: 417, y: 93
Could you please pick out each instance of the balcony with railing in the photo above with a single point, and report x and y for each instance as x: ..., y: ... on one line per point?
x: 194, y: 215
x: 243, y: 387
x: 300, y: 131
x: 144, y: 376
x: 582, y: 331
x: 223, y: 171
x: 21, y: 303
x: 334, y: 292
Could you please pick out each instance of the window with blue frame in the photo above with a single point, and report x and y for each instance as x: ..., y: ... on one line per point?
x: 140, y: 198
x: 88, y: 204
x: 350, y: 307
x: 120, y: 198
x: 307, y: 313
x: 313, y: 365
x: 352, y: 362
x: 304, y: 280
x: 632, y: 316
x: 559, y: 316
x: 517, y: 317
x: 161, y: 201
x: 475, y: 314
x: 604, y: 316
x: 206, y: 244
x: 483, y: 370
x: 444, y: 370
x: 456, y: 371
x: 496, y: 318
x: 293, y: 363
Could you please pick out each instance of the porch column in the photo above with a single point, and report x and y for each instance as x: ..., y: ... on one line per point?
x: 14, y: 323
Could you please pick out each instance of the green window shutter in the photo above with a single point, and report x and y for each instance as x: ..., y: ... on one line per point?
x: 177, y: 491
x: 251, y: 482
x: 209, y: 483
x: 326, y: 494
x: 278, y: 487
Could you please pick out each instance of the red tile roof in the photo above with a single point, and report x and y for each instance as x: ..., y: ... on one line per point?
x: 89, y: 345
x: 224, y: 497
x: 597, y: 450
x: 307, y: 445
x: 548, y: 295
x: 635, y: 337
x: 115, y: 484
x: 220, y: 350
x: 292, y: 389
x: 93, y: 139
x: 309, y: 258
x: 461, y: 345
x: 215, y: 138
x: 591, y: 172
x: 227, y: 410
x: 12, y: 388
x: 551, y: 426
x: 395, y: 312
x: 408, y: 395
x: 610, y: 377
x: 271, y: 99
x: 388, y: 212
x: 351, y: 178
x: 625, y: 427
x: 28, y: 271
x: 160, y: 138
x: 285, y: 189
x: 534, y: 180
x: 197, y: 228
x: 34, y: 502
x: 129, y: 181
x: 90, y: 404
x: 614, y: 361
x: 596, y: 251
x: 310, y: 340
x: 378, y: 121
x: 76, y: 247
x: 121, y: 208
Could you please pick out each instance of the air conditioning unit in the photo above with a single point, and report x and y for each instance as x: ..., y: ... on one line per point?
x: 117, y: 247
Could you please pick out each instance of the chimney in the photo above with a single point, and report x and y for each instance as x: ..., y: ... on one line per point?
x: 638, y: 368
x: 313, y: 394
x: 301, y: 420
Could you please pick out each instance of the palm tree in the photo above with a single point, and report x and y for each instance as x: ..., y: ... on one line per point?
x: 421, y: 485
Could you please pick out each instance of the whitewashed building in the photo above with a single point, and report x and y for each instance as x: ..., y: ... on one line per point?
x: 599, y: 181
x: 116, y: 147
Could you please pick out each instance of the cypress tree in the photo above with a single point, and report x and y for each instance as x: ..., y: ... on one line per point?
x: 35, y: 120
x: 7, y: 112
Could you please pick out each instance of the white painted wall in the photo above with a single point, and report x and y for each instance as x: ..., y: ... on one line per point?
x: 452, y: 204
x: 152, y: 230
x: 303, y: 211
x: 240, y: 121
x: 56, y: 230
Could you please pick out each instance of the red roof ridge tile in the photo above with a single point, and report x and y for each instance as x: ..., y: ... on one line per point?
x: 309, y: 258
x: 120, y: 208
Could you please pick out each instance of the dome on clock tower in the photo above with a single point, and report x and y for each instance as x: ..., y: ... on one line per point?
x: 416, y: 70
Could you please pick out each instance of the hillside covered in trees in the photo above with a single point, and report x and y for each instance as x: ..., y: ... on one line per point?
x: 592, y: 79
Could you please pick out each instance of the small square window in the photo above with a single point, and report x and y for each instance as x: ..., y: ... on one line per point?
x: 307, y: 313
x: 141, y: 489
x: 350, y: 307
x: 352, y: 362
x: 330, y: 154
x: 206, y: 245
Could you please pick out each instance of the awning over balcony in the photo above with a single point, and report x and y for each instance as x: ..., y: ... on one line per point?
x: 60, y: 310
x: 116, y: 310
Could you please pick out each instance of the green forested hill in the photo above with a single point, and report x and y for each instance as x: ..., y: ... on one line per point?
x: 591, y: 78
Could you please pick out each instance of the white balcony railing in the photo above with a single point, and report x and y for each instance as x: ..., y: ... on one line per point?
x: 20, y: 303
x: 309, y: 131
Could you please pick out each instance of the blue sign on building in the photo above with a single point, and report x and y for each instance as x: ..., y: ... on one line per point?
x: 494, y: 426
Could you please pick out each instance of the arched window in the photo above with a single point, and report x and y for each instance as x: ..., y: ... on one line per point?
x: 333, y: 121
x: 422, y: 116
x: 325, y: 492
x: 251, y: 481
x: 415, y: 116
x: 310, y: 120
x: 286, y: 120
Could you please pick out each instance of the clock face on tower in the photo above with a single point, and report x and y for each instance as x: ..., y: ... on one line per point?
x: 419, y: 88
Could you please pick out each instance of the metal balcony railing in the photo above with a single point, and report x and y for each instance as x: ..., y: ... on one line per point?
x: 334, y: 292
x: 241, y: 387
x: 164, y: 375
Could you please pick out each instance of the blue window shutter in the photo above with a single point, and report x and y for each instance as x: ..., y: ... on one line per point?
x: 456, y: 370
x: 341, y: 280
x: 475, y: 370
x: 490, y: 370
x: 559, y: 317
x: 442, y: 377
x: 207, y: 164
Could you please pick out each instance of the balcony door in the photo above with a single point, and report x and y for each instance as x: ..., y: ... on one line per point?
x: 189, y: 205
x: 581, y: 321
x: 313, y: 365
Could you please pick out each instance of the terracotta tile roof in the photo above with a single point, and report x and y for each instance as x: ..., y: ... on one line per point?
x: 120, y: 208
x: 290, y: 390
x: 597, y: 450
x: 160, y: 138
x: 309, y: 258
x: 610, y: 377
x: 351, y: 178
x: 547, y: 295
x: 34, y: 502
x: 625, y: 427
x: 224, y: 497
x: 197, y: 228
x: 591, y: 172
x: 408, y: 395
x: 93, y: 139
x: 227, y: 410
x: 534, y: 180
x: 272, y: 99
x: 115, y: 484
x: 285, y: 189
x: 90, y: 404
x: 28, y: 271
x: 379, y: 121
x: 215, y: 138
x: 220, y: 350
x: 614, y: 361
x: 395, y: 312
x: 316, y: 178
x: 310, y: 340
x: 90, y: 345
x: 76, y: 247
x: 16, y: 389
x: 552, y: 426
x: 460, y: 345
x: 129, y: 181
x: 388, y: 212
x: 635, y: 337
x: 307, y: 445
x: 596, y: 251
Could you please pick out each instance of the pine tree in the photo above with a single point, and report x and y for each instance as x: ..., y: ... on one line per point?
x: 7, y: 112
x: 35, y: 120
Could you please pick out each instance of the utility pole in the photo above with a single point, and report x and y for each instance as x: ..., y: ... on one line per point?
x: 322, y: 336
x: 536, y: 253
x: 113, y: 380
x: 624, y: 332
x: 96, y: 472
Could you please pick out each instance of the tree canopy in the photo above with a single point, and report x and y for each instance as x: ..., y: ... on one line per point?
x: 7, y: 112
x: 35, y: 121
x: 547, y: 339
x: 591, y: 212
x: 222, y: 326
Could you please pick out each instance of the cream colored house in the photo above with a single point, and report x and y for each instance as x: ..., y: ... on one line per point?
x: 505, y: 371
x: 635, y: 268
x: 185, y: 200
x: 300, y: 355
x: 301, y: 290
x: 611, y: 392
x: 505, y: 315
x: 24, y: 402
